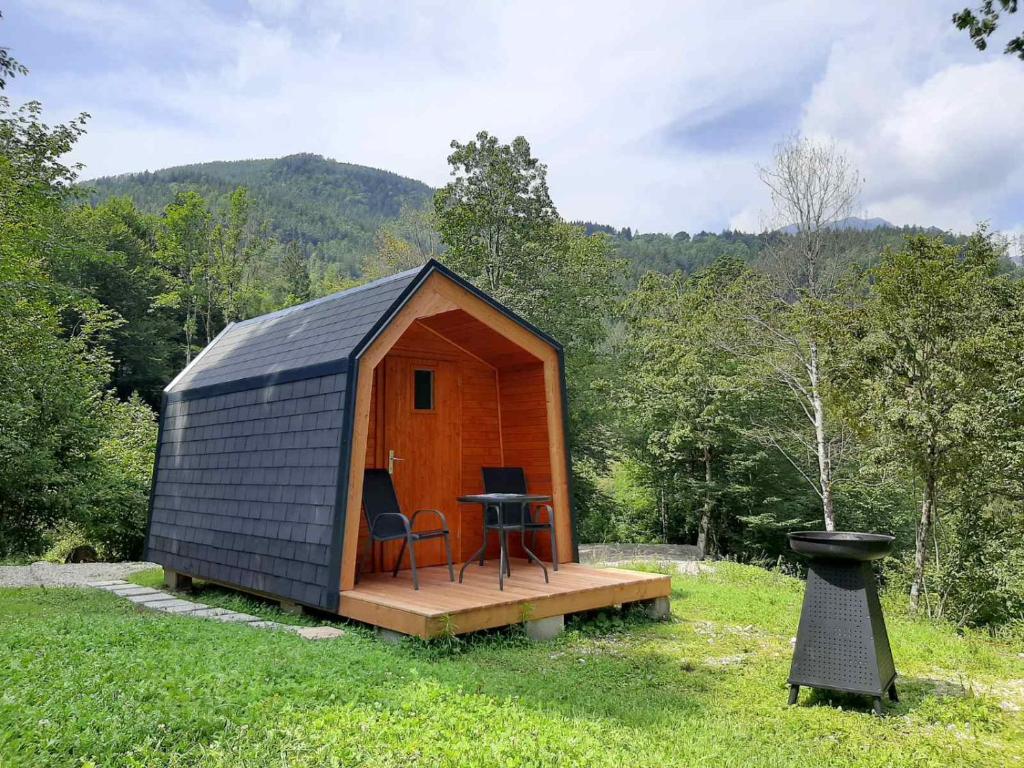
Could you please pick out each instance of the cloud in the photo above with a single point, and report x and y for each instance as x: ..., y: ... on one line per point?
x: 652, y: 117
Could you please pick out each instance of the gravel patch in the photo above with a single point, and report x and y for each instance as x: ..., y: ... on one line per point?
x: 66, y: 575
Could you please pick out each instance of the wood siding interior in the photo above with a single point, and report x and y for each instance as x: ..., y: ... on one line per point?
x: 479, y: 441
x: 509, y: 381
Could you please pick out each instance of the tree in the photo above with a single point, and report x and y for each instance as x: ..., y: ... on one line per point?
x: 812, y: 187
x: 112, y: 263
x: 982, y: 21
x: 927, y: 349
x: 500, y: 230
x: 405, y: 243
x: 495, y: 206
x: 682, y: 387
x: 295, y: 273
x: 239, y: 245
x: 183, y: 248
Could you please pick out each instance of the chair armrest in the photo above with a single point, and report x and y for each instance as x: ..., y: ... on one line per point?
x: 548, y: 509
x: 399, y: 515
x: 439, y: 513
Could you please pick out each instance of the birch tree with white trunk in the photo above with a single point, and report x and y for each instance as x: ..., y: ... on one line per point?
x: 814, y: 187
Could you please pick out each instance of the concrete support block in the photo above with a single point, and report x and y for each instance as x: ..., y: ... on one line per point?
x: 287, y: 606
x: 319, y: 633
x: 540, y: 630
x: 177, y: 581
x: 389, y: 636
x: 658, y: 609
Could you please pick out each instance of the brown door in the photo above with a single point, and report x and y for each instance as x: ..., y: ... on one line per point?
x: 422, y: 422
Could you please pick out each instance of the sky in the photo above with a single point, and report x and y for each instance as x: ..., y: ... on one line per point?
x: 650, y: 115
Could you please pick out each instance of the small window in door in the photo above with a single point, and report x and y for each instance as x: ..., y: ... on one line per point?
x: 423, y: 389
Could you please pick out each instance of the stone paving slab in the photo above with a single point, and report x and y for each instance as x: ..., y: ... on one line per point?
x: 116, y: 585
x: 149, y: 600
x: 129, y: 591
x: 242, y: 618
x: 186, y: 608
x: 211, y: 613
x: 174, y: 606
x: 267, y: 625
x: 156, y: 600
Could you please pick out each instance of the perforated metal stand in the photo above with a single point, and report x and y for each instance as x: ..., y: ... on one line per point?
x: 842, y: 644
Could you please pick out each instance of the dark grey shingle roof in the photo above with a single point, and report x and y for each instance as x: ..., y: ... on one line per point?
x: 319, y: 331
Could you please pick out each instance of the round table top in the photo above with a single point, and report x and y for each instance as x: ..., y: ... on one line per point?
x: 503, y: 498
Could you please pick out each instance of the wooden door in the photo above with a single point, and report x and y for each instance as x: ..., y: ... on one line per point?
x: 422, y: 426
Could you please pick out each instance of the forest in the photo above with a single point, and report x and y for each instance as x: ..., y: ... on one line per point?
x: 724, y: 388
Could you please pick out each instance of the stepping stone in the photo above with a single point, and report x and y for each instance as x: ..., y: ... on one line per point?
x: 129, y: 591
x: 266, y: 625
x: 117, y: 585
x: 103, y: 584
x: 319, y: 633
x: 188, y: 608
x: 240, y: 618
x: 174, y: 606
x: 149, y: 600
x: 210, y: 613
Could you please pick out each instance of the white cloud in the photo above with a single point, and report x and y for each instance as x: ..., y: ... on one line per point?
x: 610, y: 95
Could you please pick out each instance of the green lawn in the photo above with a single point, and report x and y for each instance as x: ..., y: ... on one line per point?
x: 86, y: 679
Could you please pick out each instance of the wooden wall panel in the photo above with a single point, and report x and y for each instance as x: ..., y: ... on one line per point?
x: 525, y: 436
x: 481, y: 446
x: 480, y: 438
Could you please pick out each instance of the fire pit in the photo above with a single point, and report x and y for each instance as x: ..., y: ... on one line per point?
x: 842, y: 644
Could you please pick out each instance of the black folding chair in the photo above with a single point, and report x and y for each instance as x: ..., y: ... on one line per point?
x: 519, y: 516
x: 387, y: 523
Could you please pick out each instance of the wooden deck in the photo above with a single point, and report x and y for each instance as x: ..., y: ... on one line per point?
x: 441, y: 606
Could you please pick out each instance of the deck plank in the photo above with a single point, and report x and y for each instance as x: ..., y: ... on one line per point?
x: 477, y: 603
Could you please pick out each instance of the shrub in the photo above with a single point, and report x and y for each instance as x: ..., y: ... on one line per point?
x: 113, y: 515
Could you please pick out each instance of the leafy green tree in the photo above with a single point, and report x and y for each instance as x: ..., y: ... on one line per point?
x: 684, y: 388
x: 183, y: 250
x: 54, y: 377
x: 982, y: 21
x: 495, y: 207
x: 500, y: 230
x: 240, y: 246
x: 691, y: 407
x: 113, y: 264
x: 116, y: 492
x: 924, y: 371
x: 405, y: 243
x: 295, y: 274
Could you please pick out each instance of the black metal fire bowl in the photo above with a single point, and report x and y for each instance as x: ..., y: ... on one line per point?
x: 841, y: 545
x: 842, y: 643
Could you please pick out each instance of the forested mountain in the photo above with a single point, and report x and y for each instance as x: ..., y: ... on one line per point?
x: 668, y: 253
x: 333, y: 209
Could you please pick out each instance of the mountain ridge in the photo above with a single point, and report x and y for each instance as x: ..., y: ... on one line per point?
x: 332, y: 208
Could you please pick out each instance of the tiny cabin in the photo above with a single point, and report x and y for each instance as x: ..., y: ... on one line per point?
x: 265, y: 437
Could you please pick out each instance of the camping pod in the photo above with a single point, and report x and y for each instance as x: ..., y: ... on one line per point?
x: 265, y: 436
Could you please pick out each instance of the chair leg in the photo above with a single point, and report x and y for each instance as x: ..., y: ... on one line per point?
x: 502, y: 542
x: 398, y: 562
x: 448, y: 554
x: 554, y: 547
x: 412, y: 563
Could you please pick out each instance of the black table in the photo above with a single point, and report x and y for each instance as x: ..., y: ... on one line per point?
x: 499, y: 501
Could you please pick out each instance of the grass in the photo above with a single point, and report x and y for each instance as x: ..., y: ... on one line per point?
x: 87, y: 680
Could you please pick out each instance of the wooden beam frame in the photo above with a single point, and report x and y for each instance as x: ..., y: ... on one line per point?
x: 439, y: 294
